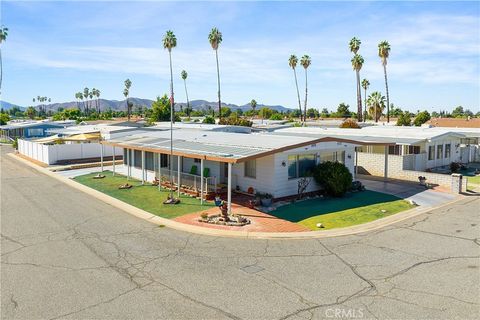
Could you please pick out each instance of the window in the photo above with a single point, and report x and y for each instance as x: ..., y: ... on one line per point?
x: 251, y: 169
x: 292, y: 167
x: 431, y: 152
x: 149, y: 161
x: 306, y: 163
x: 448, y: 150
x: 35, y: 132
x: 196, y: 160
x: 137, y: 159
x: 413, y: 149
x: 163, y: 160
x: 333, y: 156
x: 301, y: 165
x: 395, y: 150
x: 440, y: 151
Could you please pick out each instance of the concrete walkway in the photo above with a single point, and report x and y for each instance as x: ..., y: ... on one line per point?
x: 410, y: 191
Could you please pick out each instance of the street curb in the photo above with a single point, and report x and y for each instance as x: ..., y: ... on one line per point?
x: 366, y: 227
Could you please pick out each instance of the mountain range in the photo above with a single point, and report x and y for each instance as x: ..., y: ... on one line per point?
x: 120, y: 105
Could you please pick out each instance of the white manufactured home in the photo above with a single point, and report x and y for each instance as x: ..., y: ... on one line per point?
x: 210, y: 159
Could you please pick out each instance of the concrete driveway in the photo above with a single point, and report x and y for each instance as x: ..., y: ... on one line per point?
x: 67, y: 255
x: 409, y: 191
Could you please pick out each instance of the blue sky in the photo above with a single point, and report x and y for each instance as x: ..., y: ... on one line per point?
x: 57, y: 48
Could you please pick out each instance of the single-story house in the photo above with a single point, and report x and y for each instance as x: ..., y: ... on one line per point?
x: 213, y: 159
x: 73, y: 144
x: 31, y: 129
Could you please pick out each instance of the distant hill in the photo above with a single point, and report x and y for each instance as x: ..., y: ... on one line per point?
x: 119, y: 105
x: 7, y: 106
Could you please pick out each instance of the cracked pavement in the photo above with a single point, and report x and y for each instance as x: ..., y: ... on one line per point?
x: 67, y: 255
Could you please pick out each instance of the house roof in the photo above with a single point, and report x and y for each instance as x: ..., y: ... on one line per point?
x: 30, y: 124
x: 215, y: 145
x: 377, y: 134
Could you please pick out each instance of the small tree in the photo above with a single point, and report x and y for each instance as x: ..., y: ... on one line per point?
x: 404, y: 119
x: 350, y: 123
x: 421, y: 118
x: 334, y: 177
x: 209, y: 120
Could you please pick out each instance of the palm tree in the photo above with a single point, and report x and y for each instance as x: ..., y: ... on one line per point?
x: 253, y: 104
x: 215, y: 38
x: 376, y: 105
x: 357, y: 63
x: 305, y: 61
x: 80, y: 97
x: 98, y: 100
x: 365, y: 85
x: 292, y: 62
x: 384, y: 53
x: 170, y: 42
x: 184, y: 75
x: 86, y: 93
x: 3, y: 37
x: 126, y: 92
x: 354, y: 45
x: 90, y: 95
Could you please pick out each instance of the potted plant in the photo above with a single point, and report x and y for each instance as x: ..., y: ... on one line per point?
x: 266, y: 199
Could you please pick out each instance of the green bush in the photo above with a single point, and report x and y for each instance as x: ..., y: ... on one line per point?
x: 209, y: 120
x: 334, y: 177
x: 350, y: 123
x: 276, y: 116
x: 421, y: 118
x: 404, y: 119
x: 234, y: 121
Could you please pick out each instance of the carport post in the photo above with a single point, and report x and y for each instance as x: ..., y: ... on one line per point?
x: 229, y: 188
x: 201, y: 181
x: 101, y: 157
x: 159, y: 171
x: 179, y: 165
x: 143, y: 166
x: 385, y: 170
x: 128, y: 164
x: 113, y: 163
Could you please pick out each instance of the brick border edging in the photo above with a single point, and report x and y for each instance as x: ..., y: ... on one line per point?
x: 369, y: 226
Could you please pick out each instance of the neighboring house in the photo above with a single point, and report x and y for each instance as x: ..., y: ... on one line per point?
x: 73, y: 144
x: 224, y: 159
x: 30, y: 129
x: 411, y: 151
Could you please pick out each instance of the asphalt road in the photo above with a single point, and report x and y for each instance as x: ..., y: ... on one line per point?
x: 67, y: 255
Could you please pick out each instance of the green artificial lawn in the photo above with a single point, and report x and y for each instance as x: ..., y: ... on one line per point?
x: 352, y: 209
x: 146, y: 197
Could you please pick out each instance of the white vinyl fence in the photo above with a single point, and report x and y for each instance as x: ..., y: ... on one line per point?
x: 51, y: 154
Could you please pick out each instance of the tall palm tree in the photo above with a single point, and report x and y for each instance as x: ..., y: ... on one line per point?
x: 354, y: 45
x: 365, y: 85
x: 292, y: 62
x: 3, y: 37
x: 170, y: 42
x: 80, y: 97
x: 215, y: 38
x: 305, y: 61
x: 253, y: 104
x: 357, y: 63
x: 96, y: 93
x: 376, y: 104
x: 90, y: 95
x: 184, y: 75
x: 126, y: 93
x: 86, y: 93
x: 384, y: 53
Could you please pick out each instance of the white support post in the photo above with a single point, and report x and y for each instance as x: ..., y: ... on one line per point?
x: 201, y: 181
x: 385, y: 170
x: 159, y: 171
x: 132, y: 161
x: 113, y: 163
x: 128, y: 164
x: 143, y: 166
x: 229, y: 188
x: 179, y: 167
x: 355, y: 172
x: 101, y: 157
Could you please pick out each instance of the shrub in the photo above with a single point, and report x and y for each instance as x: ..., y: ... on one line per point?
x: 421, y: 118
x: 334, y: 177
x: 15, y: 144
x: 209, y: 120
x: 276, y: 116
x: 232, y: 121
x: 404, y: 119
x: 350, y: 123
